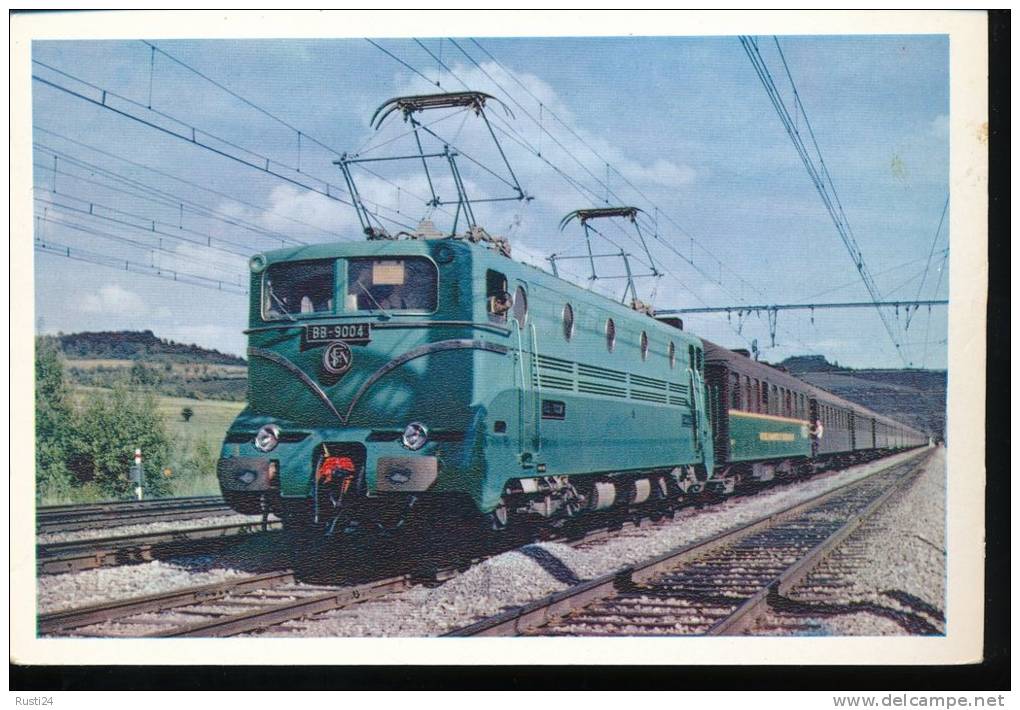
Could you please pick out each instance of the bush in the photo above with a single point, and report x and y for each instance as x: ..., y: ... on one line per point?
x: 53, y: 423
x: 89, y: 445
x: 109, y: 428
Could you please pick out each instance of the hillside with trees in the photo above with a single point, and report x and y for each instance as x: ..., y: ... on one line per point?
x: 110, y: 359
x: 913, y: 396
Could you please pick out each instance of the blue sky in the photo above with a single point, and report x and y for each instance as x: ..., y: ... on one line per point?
x: 683, y: 120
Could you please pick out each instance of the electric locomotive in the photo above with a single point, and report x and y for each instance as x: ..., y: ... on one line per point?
x: 392, y: 375
x: 423, y: 374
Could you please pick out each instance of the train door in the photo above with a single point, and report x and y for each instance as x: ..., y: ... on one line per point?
x: 699, y: 411
x: 814, y: 415
x: 526, y: 337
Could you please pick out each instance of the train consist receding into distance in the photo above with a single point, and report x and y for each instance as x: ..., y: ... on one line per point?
x: 429, y: 374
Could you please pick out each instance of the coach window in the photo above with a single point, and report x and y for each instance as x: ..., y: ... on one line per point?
x: 789, y: 407
x: 748, y: 407
x: 764, y: 397
x: 568, y: 321
x: 756, y: 396
x: 644, y: 345
x: 610, y: 335
x: 734, y: 391
x: 672, y: 354
x: 774, y: 399
x: 296, y: 288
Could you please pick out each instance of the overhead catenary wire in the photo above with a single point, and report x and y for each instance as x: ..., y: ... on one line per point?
x: 571, y: 181
x: 136, y: 244
x: 193, y: 135
x: 300, y: 133
x: 151, y: 225
x: 189, y: 183
x: 113, y: 262
x: 177, y: 203
x: 818, y: 172
x: 605, y: 184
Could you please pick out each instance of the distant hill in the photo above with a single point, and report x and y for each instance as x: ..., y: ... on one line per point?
x: 105, y: 359
x: 138, y: 345
x: 913, y: 396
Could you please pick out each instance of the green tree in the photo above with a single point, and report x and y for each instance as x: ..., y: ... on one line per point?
x: 53, y: 422
x: 187, y: 413
x: 110, y: 426
x: 144, y: 375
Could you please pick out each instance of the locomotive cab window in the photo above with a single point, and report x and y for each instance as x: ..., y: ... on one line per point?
x: 295, y: 288
x: 498, y: 300
x: 405, y: 284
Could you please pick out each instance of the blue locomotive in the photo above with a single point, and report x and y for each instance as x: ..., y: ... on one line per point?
x: 438, y: 373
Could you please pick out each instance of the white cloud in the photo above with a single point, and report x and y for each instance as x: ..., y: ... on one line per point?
x: 662, y: 172
x: 535, y: 126
x: 112, y: 300
x: 291, y: 209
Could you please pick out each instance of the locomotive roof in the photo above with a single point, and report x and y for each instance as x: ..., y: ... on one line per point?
x: 488, y: 257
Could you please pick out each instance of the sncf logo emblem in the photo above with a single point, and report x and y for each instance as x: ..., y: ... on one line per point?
x: 337, y: 358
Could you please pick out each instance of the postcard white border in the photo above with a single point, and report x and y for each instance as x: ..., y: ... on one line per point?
x: 967, y: 31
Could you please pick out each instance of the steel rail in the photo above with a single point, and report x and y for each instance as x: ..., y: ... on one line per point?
x: 517, y: 621
x: 303, y: 606
x: 105, y: 516
x: 274, y: 614
x: 76, y: 555
x: 66, y: 619
x: 124, y: 504
x: 751, y: 610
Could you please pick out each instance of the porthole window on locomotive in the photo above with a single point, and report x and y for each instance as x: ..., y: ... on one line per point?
x: 521, y: 306
x: 568, y: 321
x: 610, y: 334
x: 644, y: 345
x: 672, y: 355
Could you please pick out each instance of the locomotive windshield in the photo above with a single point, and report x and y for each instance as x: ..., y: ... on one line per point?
x: 407, y: 284
x: 298, y: 287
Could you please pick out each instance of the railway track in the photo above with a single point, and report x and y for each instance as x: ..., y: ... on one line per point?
x: 226, y: 608
x: 70, y: 518
x: 718, y: 586
x: 78, y: 555
x: 257, y: 602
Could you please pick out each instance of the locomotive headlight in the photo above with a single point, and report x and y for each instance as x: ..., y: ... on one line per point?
x: 415, y: 436
x: 267, y: 438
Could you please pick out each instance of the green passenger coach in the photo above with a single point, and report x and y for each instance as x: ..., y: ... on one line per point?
x: 392, y: 375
